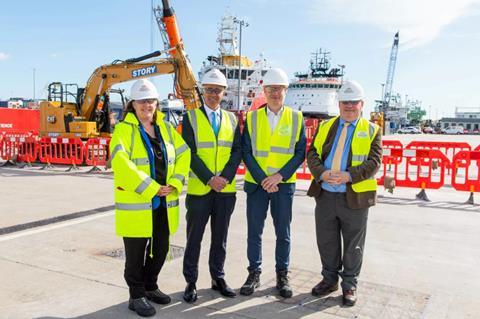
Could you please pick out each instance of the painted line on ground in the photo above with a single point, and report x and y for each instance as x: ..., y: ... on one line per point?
x: 56, y: 226
x: 59, y: 221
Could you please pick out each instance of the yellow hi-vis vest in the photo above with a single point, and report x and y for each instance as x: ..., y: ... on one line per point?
x: 364, y: 133
x: 134, y: 187
x: 213, y: 150
x: 273, y: 151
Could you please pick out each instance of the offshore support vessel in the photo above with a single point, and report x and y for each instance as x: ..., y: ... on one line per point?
x: 314, y: 93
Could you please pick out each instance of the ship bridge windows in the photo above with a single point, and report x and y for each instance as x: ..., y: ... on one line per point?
x: 314, y: 86
x: 233, y: 74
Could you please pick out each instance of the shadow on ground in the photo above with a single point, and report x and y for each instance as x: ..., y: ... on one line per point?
x: 263, y: 304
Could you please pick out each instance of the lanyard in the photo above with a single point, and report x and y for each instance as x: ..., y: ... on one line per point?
x: 156, y: 199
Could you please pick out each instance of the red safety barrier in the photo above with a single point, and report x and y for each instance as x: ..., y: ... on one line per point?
x: 241, y: 169
x: 1, y: 145
x: 412, y: 168
x: 303, y: 172
x: 55, y: 150
x: 241, y: 117
x: 449, y: 149
x: 18, y: 134
x: 466, y: 175
x: 392, y: 144
x: 311, y: 126
x: 97, y: 151
x: 9, y: 148
x: 28, y: 149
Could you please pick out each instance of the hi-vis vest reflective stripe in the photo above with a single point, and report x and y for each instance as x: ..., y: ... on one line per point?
x: 363, y: 136
x: 213, y: 151
x: 134, y: 188
x: 273, y: 151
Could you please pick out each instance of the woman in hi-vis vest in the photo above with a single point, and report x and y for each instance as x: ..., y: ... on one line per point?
x: 150, y: 162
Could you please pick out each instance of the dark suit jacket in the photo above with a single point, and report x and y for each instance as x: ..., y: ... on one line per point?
x: 286, y: 171
x: 359, y: 173
x: 198, y: 166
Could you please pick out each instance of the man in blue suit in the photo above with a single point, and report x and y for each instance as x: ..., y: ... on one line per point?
x: 273, y: 146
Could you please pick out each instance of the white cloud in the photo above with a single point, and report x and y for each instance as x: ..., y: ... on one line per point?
x: 419, y: 21
x: 3, y: 56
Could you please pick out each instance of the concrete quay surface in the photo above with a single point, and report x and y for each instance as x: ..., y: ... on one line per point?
x: 60, y: 257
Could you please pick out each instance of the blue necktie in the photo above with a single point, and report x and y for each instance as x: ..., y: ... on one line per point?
x: 215, y: 125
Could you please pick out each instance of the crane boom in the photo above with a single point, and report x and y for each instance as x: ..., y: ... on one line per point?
x: 391, y: 71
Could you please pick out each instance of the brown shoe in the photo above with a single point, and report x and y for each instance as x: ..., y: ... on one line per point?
x: 349, y: 297
x: 324, y: 288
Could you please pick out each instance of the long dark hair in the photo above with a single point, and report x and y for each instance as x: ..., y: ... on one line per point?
x: 129, y: 109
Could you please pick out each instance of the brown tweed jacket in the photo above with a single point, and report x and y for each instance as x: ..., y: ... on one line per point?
x: 361, y: 172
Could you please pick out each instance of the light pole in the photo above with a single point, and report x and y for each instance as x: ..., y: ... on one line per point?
x: 384, y: 100
x: 241, y: 23
x: 34, y: 84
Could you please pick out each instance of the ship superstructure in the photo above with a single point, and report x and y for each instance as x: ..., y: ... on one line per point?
x: 228, y: 62
x: 314, y: 93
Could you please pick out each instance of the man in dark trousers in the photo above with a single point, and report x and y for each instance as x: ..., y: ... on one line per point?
x: 215, y: 141
x: 343, y: 159
x: 273, y: 144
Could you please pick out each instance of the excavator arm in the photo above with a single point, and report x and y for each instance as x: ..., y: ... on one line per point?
x: 104, y: 77
x: 186, y: 84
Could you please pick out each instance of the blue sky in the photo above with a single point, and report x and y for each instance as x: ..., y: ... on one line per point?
x: 437, y: 62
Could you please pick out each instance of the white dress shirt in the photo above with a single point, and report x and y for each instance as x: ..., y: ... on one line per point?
x: 273, y: 118
x: 209, y: 115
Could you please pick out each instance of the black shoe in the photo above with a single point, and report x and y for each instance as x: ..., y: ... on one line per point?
x: 222, y: 287
x: 324, y: 288
x: 349, y: 297
x: 158, y: 297
x: 190, y: 294
x: 282, y: 284
x: 142, y: 307
x: 252, y: 282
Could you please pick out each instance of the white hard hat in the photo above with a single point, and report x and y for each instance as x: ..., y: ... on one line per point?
x: 214, y: 77
x: 275, y: 76
x: 143, y: 89
x: 350, y: 91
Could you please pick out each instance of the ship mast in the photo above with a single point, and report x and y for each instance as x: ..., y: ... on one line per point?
x: 320, y: 67
x: 227, y: 36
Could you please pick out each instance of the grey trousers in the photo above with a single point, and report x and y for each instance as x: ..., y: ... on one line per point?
x: 334, y: 220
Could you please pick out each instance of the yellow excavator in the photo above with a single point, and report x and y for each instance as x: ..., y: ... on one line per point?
x: 87, y: 116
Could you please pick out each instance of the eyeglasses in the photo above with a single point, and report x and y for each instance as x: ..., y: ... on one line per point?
x: 274, y: 89
x: 353, y: 103
x: 213, y: 90
x: 149, y: 101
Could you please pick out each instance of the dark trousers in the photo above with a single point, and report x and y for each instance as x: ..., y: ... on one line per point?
x: 141, y: 270
x: 281, y: 211
x: 219, y: 208
x: 335, y: 220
